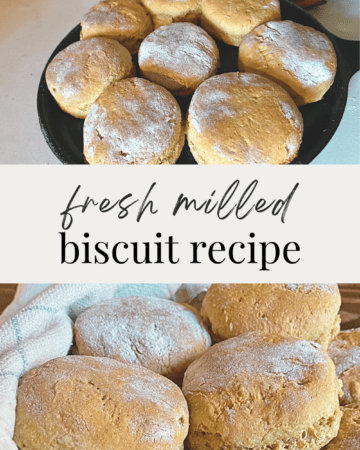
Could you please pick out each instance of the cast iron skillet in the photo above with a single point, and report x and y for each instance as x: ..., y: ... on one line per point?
x: 64, y: 133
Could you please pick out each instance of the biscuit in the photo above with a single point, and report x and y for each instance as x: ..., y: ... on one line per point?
x: 230, y: 20
x: 345, y: 352
x: 81, y: 402
x: 179, y: 57
x: 79, y: 74
x: 134, y: 122
x: 259, y: 392
x: 304, y: 311
x: 348, y: 437
x: 165, y: 12
x: 298, y: 58
x: 158, y: 334
x: 126, y: 21
x: 243, y: 119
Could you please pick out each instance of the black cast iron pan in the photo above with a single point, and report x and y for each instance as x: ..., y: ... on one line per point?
x: 64, y: 133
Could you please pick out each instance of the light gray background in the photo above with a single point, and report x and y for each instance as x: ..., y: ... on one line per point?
x: 31, y: 29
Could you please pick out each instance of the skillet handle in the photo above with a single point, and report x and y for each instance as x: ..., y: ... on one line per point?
x: 350, y: 51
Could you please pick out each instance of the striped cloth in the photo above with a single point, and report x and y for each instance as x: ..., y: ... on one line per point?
x: 37, y: 327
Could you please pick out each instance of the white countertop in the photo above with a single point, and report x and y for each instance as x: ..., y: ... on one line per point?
x: 31, y: 29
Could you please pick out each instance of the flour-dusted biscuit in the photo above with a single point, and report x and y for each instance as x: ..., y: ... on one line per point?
x: 243, y: 118
x: 82, y: 402
x: 348, y: 437
x: 81, y: 72
x: 231, y: 20
x: 345, y: 352
x: 165, y: 12
x: 161, y: 335
x: 260, y: 392
x: 179, y: 57
x: 134, y: 122
x: 126, y: 21
x: 304, y: 311
x: 299, y: 58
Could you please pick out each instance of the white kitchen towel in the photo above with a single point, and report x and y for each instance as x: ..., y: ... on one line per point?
x: 37, y: 327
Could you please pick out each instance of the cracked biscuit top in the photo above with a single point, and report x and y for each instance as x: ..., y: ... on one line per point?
x: 302, y: 60
x: 231, y: 20
x: 82, y: 71
x: 161, y: 335
x: 165, y: 12
x: 82, y: 402
x: 259, y: 390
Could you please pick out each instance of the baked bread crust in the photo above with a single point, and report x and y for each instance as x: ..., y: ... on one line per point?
x: 97, y: 403
x: 345, y: 352
x: 260, y: 392
x: 134, y: 122
x: 304, y: 311
x: 298, y: 58
x: 243, y: 118
x: 80, y: 73
x: 179, y: 57
x: 158, y: 334
x: 126, y: 21
x: 231, y: 20
x: 165, y: 12
x: 348, y: 437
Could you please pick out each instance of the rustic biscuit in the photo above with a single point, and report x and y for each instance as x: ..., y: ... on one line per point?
x: 126, y: 21
x: 82, y: 402
x: 231, y: 20
x: 179, y: 57
x: 165, y: 12
x: 298, y: 58
x: 304, y: 311
x: 345, y: 352
x: 134, y: 122
x: 78, y: 75
x: 259, y: 391
x: 348, y: 437
x: 243, y: 119
x: 158, y: 334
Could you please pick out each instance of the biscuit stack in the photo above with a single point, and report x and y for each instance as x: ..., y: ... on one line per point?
x: 268, y: 382
x: 233, y: 118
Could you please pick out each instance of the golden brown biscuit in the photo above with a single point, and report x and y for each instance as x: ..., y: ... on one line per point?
x: 165, y: 12
x: 260, y: 392
x: 79, y: 74
x: 345, y: 352
x: 134, y: 122
x: 179, y: 57
x: 230, y: 20
x: 243, y: 119
x: 304, y: 311
x: 126, y: 21
x: 158, y: 334
x: 348, y: 437
x: 300, y: 59
x: 81, y: 402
